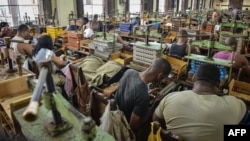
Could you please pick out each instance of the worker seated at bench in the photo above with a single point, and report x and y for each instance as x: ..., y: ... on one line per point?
x: 132, y: 94
x: 89, y: 33
x: 79, y: 25
x: 44, y: 51
x: 22, y: 49
x: 199, y: 114
x: 126, y: 45
x: 180, y: 48
x: 240, y: 60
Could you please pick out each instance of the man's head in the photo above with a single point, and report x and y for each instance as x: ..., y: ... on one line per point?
x: 111, y: 27
x: 232, y: 42
x: 207, y: 74
x: 158, y: 70
x: 23, y: 31
x: 85, y: 20
x: 94, y: 25
x: 95, y: 17
x: 182, y: 35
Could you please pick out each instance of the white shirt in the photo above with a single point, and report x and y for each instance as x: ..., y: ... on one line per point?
x: 86, y: 26
x: 14, y: 45
x: 88, y: 33
x: 216, y: 28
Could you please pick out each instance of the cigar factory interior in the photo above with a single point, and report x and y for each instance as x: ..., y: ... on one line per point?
x: 111, y: 70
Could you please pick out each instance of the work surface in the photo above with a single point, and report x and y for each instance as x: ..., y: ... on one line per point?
x: 36, y: 131
x: 4, y: 75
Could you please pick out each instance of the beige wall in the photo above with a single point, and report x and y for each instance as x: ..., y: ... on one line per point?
x: 207, y: 4
x: 246, y: 3
x: 64, y: 7
x: 221, y: 5
x: 225, y: 3
x: 120, y: 7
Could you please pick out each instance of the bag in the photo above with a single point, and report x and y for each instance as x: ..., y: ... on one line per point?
x: 155, y: 134
x: 159, y: 134
x: 115, y: 123
x: 82, y: 96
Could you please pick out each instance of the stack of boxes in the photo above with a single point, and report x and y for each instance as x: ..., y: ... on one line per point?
x: 74, y: 39
x: 145, y: 54
x: 105, y: 47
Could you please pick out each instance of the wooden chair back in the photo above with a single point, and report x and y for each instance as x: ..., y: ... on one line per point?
x: 98, y: 102
x: 33, y: 67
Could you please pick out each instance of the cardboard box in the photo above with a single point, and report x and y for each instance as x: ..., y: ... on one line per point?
x: 122, y: 58
x: 240, y: 89
x: 73, y: 34
x: 179, y: 67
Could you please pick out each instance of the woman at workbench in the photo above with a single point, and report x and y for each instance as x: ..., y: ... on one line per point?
x: 44, y: 51
x: 179, y: 49
x: 240, y: 60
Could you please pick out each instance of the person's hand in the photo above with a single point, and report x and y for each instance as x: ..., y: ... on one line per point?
x: 63, y: 57
x: 154, y: 90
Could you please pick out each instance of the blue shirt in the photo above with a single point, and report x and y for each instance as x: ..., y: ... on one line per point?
x: 134, y: 21
x: 44, y: 54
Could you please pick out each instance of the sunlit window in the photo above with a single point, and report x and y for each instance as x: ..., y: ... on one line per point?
x: 28, y: 10
x: 92, y: 7
x: 161, y: 5
x: 134, y: 6
x: 23, y: 11
x: 5, y: 14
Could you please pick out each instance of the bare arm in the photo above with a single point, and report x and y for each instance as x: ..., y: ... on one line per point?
x: 58, y: 61
x: 240, y: 61
x: 92, y: 37
x: 161, y: 121
x: 137, y: 122
x: 119, y: 39
x: 25, y: 49
x: 245, y: 65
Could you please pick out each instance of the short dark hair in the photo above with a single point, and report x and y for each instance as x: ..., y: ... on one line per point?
x: 208, y: 73
x: 22, y: 28
x: 232, y: 42
x: 182, y: 33
x: 3, y: 24
x: 161, y: 65
x: 45, y: 41
x: 110, y: 27
x: 86, y: 19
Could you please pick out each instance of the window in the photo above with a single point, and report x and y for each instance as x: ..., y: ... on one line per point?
x: 134, y: 6
x: 29, y: 7
x: 162, y: 5
x: 92, y: 7
x: 5, y: 14
x: 15, y: 15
